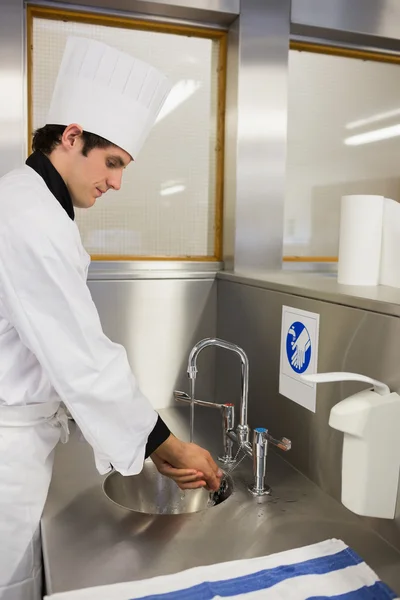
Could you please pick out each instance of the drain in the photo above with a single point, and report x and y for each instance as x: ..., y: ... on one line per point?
x: 220, y: 495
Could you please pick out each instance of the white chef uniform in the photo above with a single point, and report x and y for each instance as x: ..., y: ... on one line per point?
x: 52, y: 346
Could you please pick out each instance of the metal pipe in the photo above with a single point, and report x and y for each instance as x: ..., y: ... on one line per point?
x: 192, y: 372
x: 246, y: 447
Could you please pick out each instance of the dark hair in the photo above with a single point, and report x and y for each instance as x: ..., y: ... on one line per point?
x: 47, y: 138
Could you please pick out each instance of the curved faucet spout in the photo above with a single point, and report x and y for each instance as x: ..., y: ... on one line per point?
x: 192, y: 372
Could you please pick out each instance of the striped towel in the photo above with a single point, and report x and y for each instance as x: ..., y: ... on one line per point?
x: 329, y: 569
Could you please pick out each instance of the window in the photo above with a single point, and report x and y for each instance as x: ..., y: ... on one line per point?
x: 170, y: 203
x: 343, y: 138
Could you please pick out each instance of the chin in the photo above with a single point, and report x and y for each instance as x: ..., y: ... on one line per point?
x: 83, y: 198
x: 85, y: 203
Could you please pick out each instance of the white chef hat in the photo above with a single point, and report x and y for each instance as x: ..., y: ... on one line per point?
x: 107, y: 92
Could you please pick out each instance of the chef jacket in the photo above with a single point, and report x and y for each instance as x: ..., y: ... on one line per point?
x: 52, y: 345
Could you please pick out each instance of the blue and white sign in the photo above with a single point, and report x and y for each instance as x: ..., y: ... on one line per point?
x: 298, y: 347
x: 299, y: 354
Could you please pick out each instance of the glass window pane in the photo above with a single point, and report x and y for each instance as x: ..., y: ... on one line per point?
x: 167, y: 204
x: 333, y: 100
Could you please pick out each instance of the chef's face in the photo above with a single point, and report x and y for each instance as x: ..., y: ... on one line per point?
x: 91, y: 176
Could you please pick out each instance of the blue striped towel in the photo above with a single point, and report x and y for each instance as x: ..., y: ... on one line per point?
x: 329, y: 569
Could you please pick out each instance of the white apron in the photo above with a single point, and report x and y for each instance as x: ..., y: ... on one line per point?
x: 28, y: 437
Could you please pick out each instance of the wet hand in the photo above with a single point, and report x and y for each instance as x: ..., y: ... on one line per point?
x: 182, y: 456
x: 186, y: 479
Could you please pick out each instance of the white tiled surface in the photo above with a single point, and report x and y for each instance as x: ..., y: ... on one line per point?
x: 327, y: 96
x: 179, y: 153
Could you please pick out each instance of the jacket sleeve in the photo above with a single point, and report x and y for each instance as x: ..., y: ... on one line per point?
x: 44, y: 291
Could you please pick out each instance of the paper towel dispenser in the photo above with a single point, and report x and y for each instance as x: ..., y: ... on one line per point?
x: 370, y: 421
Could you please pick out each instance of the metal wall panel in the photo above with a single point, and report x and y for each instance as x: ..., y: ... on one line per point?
x: 158, y: 322
x: 350, y: 340
x: 231, y: 140
x: 12, y: 104
x: 368, y: 22
x: 261, y: 148
x: 156, y: 269
x: 221, y: 12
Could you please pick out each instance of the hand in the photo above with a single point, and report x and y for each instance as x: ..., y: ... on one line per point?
x: 300, y: 347
x: 186, y: 479
x: 181, y: 456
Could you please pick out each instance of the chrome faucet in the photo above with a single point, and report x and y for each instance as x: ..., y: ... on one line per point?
x: 258, y: 449
x: 242, y: 428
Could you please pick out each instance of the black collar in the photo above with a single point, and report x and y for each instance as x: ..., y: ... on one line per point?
x: 52, y: 178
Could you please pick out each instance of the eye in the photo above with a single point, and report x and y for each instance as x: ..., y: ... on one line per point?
x: 111, y: 164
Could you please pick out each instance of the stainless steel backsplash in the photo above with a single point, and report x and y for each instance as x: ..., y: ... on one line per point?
x: 350, y: 340
x: 158, y: 321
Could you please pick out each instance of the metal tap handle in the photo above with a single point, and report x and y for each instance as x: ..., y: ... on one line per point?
x: 283, y: 444
x: 228, y: 424
x: 260, y: 447
x: 183, y: 397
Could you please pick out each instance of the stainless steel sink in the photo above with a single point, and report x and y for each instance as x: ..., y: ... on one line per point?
x: 152, y: 493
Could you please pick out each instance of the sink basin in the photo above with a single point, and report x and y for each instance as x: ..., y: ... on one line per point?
x: 152, y: 493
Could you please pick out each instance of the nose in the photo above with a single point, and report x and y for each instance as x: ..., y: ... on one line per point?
x: 114, y: 180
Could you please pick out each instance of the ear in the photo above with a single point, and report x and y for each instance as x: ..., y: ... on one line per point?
x: 71, y: 135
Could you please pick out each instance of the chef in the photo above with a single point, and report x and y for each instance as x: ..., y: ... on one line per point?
x: 52, y: 346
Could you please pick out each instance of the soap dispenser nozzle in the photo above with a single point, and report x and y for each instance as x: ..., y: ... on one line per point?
x: 379, y: 387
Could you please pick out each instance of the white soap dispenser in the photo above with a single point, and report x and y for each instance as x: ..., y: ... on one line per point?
x: 370, y: 421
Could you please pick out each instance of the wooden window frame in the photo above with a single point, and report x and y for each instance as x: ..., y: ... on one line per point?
x: 77, y: 16
x: 347, y: 53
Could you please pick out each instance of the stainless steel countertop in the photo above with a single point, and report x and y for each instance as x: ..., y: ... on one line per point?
x: 321, y: 286
x: 89, y: 541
